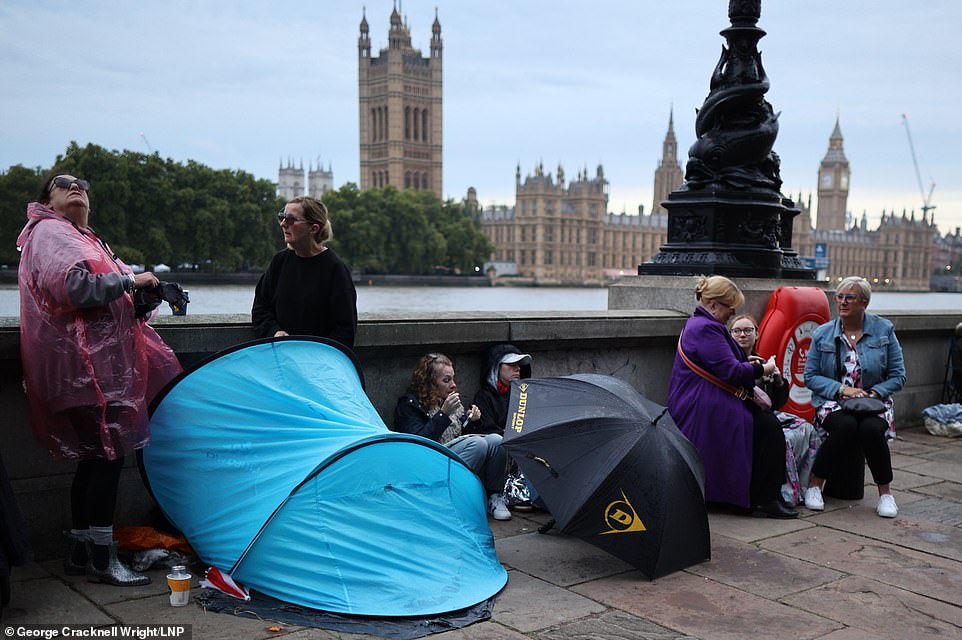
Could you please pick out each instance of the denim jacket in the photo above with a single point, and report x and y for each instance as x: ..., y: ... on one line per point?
x: 879, y: 355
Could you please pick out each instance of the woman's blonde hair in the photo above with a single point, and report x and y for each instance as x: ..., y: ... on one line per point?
x: 865, y: 289
x: 718, y: 288
x: 315, y: 212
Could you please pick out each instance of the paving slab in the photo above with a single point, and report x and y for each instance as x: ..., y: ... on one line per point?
x: 921, y: 535
x: 921, y: 436
x: 481, y: 631
x: 759, y: 571
x: 945, y: 490
x: 316, y: 634
x: 204, y: 624
x: 703, y: 608
x: 913, y: 448
x: 518, y: 524
x: 903, y: 461
x: 749, y: 529
x: 918, y: 476
x: 560, y: 560
x: 934, y: 510
x: 921, y: 573
x: 941, y: 469
x: 612, y: 625
x: 50, y: 601
x: 849, y: 633
x: 528, y: 604
x: 105, y: 593
x: 886, y: 611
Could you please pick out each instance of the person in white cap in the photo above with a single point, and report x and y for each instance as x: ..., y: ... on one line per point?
x: 432, y: 409
x: 505, y: 363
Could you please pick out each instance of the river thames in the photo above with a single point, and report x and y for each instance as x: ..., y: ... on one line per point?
x: 231, y: 299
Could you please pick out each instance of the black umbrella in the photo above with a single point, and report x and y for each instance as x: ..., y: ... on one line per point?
x: 612, y: 468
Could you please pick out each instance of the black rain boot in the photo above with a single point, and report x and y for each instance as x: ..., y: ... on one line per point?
x: 114, y: 572
x: 75, y: 557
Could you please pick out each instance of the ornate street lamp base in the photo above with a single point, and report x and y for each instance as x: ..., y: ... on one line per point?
x: 730, y: 233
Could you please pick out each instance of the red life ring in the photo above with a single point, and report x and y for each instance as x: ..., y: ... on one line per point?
x: 786, y: 329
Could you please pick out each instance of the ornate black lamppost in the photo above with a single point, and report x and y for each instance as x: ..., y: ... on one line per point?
x: 729, y: 217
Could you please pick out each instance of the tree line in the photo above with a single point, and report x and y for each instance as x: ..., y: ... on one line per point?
x: 153, y: 210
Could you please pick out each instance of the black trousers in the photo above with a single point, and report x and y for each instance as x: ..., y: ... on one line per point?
x: 93, y: 493
x: 768, y: 458
x: 848, y: 436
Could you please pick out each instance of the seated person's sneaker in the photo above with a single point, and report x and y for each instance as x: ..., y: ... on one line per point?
x: 813, y: 499
x: 886, y: 506
x: 497, y: 507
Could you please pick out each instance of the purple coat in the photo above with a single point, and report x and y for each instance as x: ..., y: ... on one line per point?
x: 714, y: 420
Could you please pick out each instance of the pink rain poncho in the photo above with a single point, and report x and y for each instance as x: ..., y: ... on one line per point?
x: 90, y: 369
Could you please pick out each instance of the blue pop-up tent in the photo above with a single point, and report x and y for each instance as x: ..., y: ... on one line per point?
x: 271, y: 460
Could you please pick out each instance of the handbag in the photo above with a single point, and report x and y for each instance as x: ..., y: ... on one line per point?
x: 859, y: 407
x: 862, y: 406
x: 761, y: 399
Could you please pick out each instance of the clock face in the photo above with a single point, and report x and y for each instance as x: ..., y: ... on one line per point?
x: 845, y: 182
x: 826, y: 179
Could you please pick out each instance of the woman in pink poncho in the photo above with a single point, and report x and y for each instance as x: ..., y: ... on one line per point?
x: 90, y: 366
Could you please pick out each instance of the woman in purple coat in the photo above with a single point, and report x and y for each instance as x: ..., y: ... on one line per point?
x: 713, y: 400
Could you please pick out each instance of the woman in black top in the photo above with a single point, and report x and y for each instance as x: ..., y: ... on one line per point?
x: 306, y: 290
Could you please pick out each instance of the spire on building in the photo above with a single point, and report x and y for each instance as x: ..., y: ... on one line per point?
x: 668, y: 174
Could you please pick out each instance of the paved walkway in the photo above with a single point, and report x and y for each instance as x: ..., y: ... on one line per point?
x: 843, y: 574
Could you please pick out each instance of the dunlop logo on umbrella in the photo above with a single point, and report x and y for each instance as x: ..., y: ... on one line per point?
x: 517, y: 418
x: 620, y: 517
x: 601, y: 455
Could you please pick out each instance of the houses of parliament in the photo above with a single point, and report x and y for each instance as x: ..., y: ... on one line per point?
x: 559, y: 230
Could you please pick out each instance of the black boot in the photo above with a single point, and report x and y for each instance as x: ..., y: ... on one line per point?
x: 75, y: 557
x: 774, y: 509
x: 114, y: 572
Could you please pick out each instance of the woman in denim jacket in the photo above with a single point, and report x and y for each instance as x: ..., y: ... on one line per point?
x: 855, y: 355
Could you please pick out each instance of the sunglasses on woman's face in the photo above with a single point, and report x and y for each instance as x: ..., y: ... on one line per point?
x: 66, y: 183
x: 283, y: 218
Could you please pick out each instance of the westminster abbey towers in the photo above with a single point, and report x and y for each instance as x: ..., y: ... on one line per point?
x: 400, y: 110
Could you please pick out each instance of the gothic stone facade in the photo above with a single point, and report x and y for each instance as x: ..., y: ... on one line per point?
x: 563, y: 233
x: 400, y: 110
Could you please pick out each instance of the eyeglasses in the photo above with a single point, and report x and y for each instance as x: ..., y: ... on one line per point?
x: 289, y: 219
x: 846, y: 297
x: 747, y: 331
x: 66, y: 183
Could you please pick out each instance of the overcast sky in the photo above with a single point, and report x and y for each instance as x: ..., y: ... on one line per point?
x: 242, y: 84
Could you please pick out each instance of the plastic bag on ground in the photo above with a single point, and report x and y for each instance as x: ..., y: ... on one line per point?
x: 943, y: 420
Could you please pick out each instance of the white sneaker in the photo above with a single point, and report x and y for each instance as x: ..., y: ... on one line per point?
x: 886, y: 506
x: 497, y: 507
x: 813, y: 499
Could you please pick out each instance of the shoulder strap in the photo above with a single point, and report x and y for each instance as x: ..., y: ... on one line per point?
x: 738, y: 392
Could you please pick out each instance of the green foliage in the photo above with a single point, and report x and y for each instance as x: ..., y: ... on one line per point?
x: 154, y: 210
x: 404, y: 232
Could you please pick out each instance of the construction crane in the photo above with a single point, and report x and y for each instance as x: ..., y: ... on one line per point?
x: 151, y: 149
x: 926, y: 199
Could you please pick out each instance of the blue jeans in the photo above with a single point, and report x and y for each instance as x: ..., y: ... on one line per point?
x: 484, y: 455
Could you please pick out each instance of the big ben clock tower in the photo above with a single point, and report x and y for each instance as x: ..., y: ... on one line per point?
x: 833, y: 184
